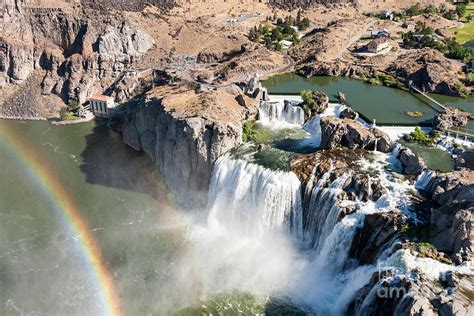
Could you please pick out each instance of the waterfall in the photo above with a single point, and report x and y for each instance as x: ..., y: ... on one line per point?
x: 313, y: 125
x: 330, y: 279
x: 253, y: 200
x: 424, y: 179
x: 322, y: 210
x: 256, y: 204
x: 281, y: 112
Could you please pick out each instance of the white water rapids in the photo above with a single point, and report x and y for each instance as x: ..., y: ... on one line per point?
x: 260, y: 236
x: 259, y: 231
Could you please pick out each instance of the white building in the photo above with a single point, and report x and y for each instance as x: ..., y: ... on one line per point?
x: 102, y: 105
x: 286, y: 44
x: 378, y: 45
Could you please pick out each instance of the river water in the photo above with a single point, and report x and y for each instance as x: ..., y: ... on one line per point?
x: 128, y: 211
x: 162, y: 260
x: 387, y: 105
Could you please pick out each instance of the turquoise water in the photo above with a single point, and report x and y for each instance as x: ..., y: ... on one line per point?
x: 435, y: 158
x: 386, y: 105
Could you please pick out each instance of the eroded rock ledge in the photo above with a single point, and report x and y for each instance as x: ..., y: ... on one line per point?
x: 184, y: 133
x: 352, y: 134
x: 362, y: 183
x: 452, y: 222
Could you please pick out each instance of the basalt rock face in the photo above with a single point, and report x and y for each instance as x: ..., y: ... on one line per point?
x: 411, y: 163
x: 80, y: 52
x: 379, y: 232
x: 136, y: 5
x: 183, y: 147
x: 332, y: 68
x: 348, y: 113
x: 452, y: 222
x: 464, y: 159
x: 428, y: 70
x: 361, y: 184
x: 454, y: 118
x: 387, y: 294
x: 352, y: 134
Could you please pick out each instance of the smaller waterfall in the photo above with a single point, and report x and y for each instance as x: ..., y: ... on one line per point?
x: 424, y: 179
x: 313, y: 125
x: 281, y: 112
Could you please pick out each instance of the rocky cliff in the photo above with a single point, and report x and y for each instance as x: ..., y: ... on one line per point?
x: 184, y: 133
x: 362, y: 184
x: 387, y: 294
x: 452, y: 221
x: 79, y: 52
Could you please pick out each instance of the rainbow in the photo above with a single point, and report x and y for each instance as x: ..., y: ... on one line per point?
x: 43, y: 176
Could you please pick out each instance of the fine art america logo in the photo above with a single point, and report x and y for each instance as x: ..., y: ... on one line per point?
x: 395, y: 283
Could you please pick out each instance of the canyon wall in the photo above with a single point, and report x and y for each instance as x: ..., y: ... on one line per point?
x: 184, y: 145
x: 74, y: 53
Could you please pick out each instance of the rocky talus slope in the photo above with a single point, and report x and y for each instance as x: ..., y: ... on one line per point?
x: 184, y: 133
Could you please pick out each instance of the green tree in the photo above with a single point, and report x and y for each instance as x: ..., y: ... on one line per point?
x: 288, y: 31
x: 304, y: 24
x: 268, y: 42
x: 298, y: 18
x: 295, y: 38
x: 430, y: 9
x: 413, y: 10
x: 276, y: 34
x: 461, y: 10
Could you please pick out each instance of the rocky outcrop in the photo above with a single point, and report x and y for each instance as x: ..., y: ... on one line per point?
x: 184, y: 145
x: 136, y: 5
x: 411, y: 163
x: 81, y: 75
x: 78, y: 54
x: 352, y: 134
x: 378, y: 233
x: 428, y: 70
x: 348, y: 113
x: 464, y: 159
x: 332, y: 68
x: 389, y: 294
x: 452, y: 118
x: 452, y: 222
x: 339, y: 162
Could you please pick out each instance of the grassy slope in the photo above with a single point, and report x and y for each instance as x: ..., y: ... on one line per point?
x: 466, y: 33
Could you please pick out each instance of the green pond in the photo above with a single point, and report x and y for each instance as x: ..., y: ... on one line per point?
x: 387, y: 105
x: 434, y: 157
x: 143, y: 236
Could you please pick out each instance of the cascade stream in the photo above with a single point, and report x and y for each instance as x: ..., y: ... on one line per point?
x: 252, y: 201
